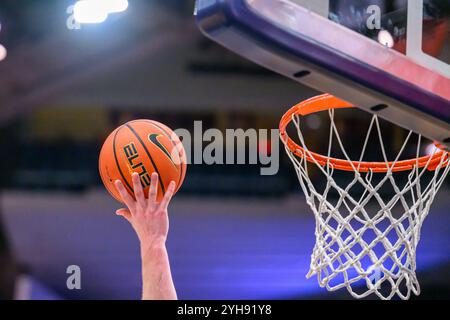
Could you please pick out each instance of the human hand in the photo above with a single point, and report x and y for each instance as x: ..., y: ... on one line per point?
x: 147, y: 217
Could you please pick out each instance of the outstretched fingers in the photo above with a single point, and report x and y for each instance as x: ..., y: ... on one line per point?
x: 168, y: 196
x: 126, y: 197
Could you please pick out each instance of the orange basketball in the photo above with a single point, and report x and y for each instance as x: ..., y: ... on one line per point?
x: 142, y: 146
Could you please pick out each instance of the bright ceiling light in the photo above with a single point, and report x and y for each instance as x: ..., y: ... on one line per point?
x: 96, y: 11
x: 385, y: 38
x: 115, y: 5
x: 431, y: 149
x: 90, y: 11
x: 3, y: 52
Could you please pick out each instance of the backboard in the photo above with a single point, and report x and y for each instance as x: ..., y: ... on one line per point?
x: 386, y: 57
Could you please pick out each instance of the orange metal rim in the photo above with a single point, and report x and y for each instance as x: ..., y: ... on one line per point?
x: 328, y: 102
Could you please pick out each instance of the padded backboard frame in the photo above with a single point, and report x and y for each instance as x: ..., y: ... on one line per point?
x: 328, y: 57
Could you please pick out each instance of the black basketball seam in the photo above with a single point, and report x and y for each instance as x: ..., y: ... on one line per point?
x: 117, y: 161
x: 173, y: 144
x: 170, y: 139
x: 149, y: 156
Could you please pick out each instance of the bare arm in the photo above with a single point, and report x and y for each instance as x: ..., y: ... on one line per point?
x: 151, y: 222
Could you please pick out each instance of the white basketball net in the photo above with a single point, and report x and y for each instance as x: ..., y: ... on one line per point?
x: 361, y: 244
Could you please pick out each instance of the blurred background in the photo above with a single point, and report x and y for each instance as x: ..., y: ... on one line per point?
x: 234, y: 233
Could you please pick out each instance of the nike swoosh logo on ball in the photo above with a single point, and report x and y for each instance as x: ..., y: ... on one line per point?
x: 153, y: 137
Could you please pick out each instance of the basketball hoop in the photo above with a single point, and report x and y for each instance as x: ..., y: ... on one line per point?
x: 362, y: 243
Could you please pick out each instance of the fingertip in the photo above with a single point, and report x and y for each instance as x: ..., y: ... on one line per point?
x: 172, y: 186
x: 120, y: 212
x: 118, y: 183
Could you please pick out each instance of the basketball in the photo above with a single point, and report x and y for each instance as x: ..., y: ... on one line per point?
x: 142, y: 146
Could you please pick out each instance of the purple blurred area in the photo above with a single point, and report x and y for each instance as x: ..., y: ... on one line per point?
x: 241, y: 249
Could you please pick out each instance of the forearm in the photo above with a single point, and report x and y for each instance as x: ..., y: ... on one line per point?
x: 150, y: 220
x: 156, y: 275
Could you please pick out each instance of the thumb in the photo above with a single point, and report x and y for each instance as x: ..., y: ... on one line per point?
x: 124, y: 213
